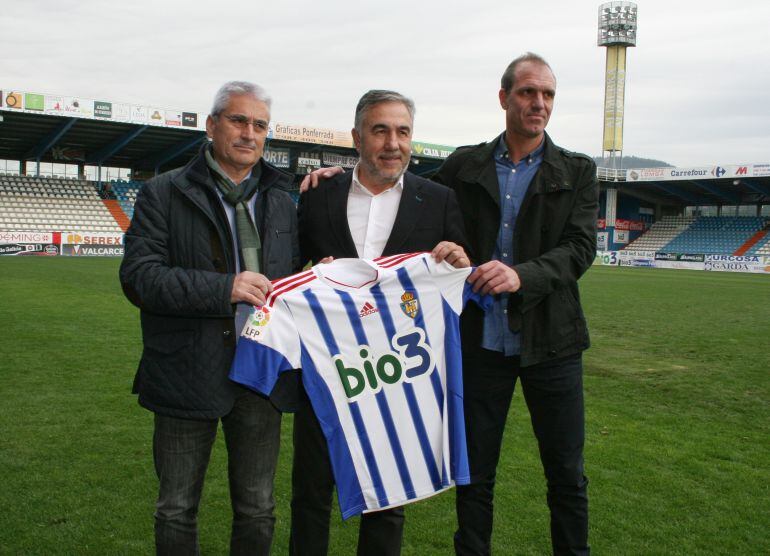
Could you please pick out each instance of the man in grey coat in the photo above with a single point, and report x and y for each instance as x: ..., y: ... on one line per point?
x: 203, y: 245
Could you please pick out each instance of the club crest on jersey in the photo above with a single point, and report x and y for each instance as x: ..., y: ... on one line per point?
x: 409, y: 305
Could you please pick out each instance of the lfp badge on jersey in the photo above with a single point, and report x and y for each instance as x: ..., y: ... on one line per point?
x: 255, y: 325
x: 409, y: 305
x: 260, y: 316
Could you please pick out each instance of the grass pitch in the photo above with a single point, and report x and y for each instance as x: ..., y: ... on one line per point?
x: 678, y: 427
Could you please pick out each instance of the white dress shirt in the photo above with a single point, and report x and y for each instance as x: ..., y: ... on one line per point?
x: 371, y: 217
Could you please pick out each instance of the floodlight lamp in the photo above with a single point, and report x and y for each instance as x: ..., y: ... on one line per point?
x: 617, y: 24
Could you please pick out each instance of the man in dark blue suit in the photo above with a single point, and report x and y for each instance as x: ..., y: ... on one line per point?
x: 377, y: 209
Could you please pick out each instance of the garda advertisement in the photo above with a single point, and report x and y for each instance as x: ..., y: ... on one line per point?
x: 29, y: 243
x: 92, y: 244
x: 85, y: 107
x: 732, y: 171
x: 747, y: 263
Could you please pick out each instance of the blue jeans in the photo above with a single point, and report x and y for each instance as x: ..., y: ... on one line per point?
x: 553, y: 392
x: 181, y: 450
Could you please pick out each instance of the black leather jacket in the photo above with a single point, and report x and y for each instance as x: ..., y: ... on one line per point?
x: 555, y: 243
x: 179, y: 269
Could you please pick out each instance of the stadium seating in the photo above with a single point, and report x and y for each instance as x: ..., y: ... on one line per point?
x: 661, y: 233
x: 707, y: 235
x: 125, y: 192
x: 716, y: 235
x: 52, y: 204
x: 762, y: 247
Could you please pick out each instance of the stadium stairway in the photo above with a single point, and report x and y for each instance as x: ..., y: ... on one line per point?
x: 117, y: 213
x: 751, y: 242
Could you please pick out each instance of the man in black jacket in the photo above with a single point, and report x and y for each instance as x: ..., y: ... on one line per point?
x: 530, y: 213
x: 203, y: 245
x: 378, y: 209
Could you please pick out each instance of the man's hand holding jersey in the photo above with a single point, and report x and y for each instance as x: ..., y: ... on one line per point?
x: 494, y: 277
x: 250, y: 287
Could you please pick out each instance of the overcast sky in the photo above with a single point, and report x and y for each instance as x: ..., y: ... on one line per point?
x: 697, y: 91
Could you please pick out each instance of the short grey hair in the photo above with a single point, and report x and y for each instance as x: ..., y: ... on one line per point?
x: 378, y: 96
x: 509, y: 75
x: 238, y: 88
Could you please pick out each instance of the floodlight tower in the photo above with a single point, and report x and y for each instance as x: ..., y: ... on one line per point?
x: 617, y: 31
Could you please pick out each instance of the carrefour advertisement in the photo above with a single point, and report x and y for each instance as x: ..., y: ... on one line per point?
x: 698, y: 172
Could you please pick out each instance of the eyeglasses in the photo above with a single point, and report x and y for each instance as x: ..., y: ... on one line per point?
x: 240, y: 121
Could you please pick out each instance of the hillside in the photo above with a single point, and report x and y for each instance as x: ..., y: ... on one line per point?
x: 634, y: 162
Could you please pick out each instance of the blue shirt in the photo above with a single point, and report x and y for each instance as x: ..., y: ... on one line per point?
x: 513, y: 179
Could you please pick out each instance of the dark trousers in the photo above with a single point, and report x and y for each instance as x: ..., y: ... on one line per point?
x: 554, y: 395
x: 181, y: 449
x: 312, y: 486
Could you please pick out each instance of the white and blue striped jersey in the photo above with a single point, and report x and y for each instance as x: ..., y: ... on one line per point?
x: 379, y: 347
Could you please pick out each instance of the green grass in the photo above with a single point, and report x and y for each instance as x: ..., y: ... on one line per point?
x: 678, y: 423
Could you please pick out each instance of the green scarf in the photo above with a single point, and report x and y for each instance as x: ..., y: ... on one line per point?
x: 238, y: 196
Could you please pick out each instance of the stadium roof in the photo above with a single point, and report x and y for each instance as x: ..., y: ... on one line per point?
x: 170, y: 142
x: 67, y: 129
x: 25, y: 136
x: 746, y: 184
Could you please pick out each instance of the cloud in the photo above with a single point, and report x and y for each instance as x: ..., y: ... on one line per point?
x: 697, y: 84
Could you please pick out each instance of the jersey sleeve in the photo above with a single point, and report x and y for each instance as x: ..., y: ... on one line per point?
x: 482, y: 300
x: 449, y: 280
x: 453, y: 286
x: 268, y: 345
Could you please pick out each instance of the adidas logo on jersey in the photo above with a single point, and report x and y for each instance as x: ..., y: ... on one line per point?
x: 368, y: 309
